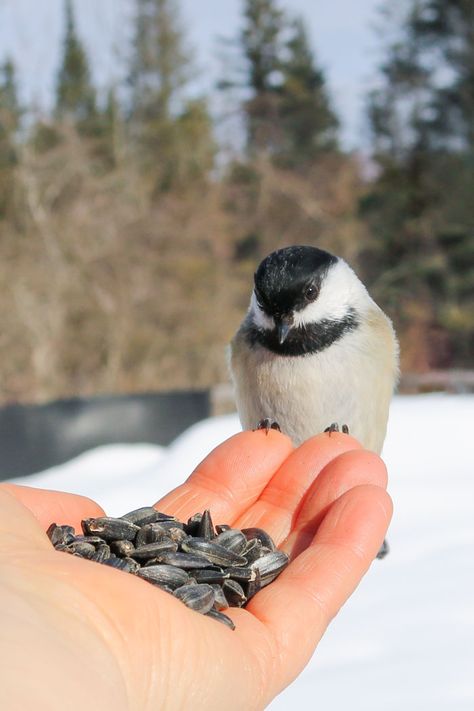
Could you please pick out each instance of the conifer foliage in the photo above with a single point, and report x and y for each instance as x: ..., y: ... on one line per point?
x: 309, y: 123
x: 420, y: 208
x: 75, y: 93
x: 288, y: 115
x: 172, y: 133
x: 130, y: 227
x: 10, y: 115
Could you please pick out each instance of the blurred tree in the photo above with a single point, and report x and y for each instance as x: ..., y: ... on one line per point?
x: 75, y: 93
x: 422, y: 136
x: 160, y: 64
x: 107, y: 130
x: 262, y: 44
x: 10, y: 115
x: 173, y: 134
x: 9, y: 105
x: 291, y: 133
x: 286, y: 105
x: 309, y: 124
x: 446, y: 28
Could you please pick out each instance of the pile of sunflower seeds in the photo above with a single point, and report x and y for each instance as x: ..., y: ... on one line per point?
x: 209, y: 568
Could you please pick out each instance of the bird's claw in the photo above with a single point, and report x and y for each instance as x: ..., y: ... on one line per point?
x: 268, y: 424
x: 384, y: 550
x: 334, y: 427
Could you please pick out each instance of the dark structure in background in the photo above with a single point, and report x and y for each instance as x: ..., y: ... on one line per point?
x: 35, y: 437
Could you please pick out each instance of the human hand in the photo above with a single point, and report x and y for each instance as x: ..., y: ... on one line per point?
x: 77, y: 634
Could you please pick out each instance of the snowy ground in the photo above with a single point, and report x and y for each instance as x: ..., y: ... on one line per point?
x: 405, y: 640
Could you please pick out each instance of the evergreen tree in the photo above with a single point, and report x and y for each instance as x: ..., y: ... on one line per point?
x: 262, y: 45
x: 446, y: 29
x: 288, y: 115
x: 308, y: 122
x: 421, y: 217
x: 10, y: 115
x: 160, y: 65
x: 111, y: 128
x: 9, y: 105
x: 162, y: 119
x: 75, y: 93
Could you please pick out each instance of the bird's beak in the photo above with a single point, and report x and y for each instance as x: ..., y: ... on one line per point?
x: 283, y: 325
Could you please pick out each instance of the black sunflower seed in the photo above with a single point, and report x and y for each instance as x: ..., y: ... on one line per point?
x: 128, y: 565
x: 270, y: 565
x: 142, y: 516
x: 60, y: 535
x: 149, y: 533
x: 167, y: 575
x: 122, y: 548
x: 241, y: 574
x: 192, y: 526
x: 101, y: 553
x: 212, y: 551
x: 206, y: 527
x: 198, y: 597
x: 110, y: 529
x: 221, y: 527
x: 82, y: 549
x: 187, y: 561
x: 154, y: 550
x: 234, y: 593
x: 210, y: 575
x: 207, y: 567
x: 261, y: 535
x: 220, y: 617
x: 233, y: 539
x: 220, y: 600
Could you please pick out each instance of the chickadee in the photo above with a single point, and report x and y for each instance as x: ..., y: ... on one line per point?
x: 314, y: 349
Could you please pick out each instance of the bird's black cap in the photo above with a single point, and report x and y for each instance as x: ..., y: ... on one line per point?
x: 290, y: 277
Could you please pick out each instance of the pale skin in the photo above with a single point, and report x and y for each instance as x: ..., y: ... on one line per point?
x: 78, y: 635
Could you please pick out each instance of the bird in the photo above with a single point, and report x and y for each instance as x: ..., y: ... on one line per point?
x: 314, y: 351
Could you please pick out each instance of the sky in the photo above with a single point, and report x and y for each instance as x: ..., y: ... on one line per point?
x: 342, y: 32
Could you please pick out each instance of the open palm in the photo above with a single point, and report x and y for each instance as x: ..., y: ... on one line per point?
x: 94, y: 637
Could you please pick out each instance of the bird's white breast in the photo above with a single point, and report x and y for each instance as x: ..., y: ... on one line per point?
x: 351, y: 383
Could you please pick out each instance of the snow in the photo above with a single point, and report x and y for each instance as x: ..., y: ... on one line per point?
x: 405, y: 639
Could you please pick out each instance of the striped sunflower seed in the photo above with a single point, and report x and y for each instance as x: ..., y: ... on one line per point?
x: 186, y: 561
x: 198, y: 597
x: 212, y: 551
x: 141, y: 516
x: 234, y: 593
x: 270, y: 565
x: 154, y: 550
x: 220, y: 617
x: 206, y: 527
x: 60, y: 535
x: 122, y: 548
x: 233, y: 539
x: 261, y: 535
x: 167, y: 575
x: 110, y: 529
x: 220, y: 600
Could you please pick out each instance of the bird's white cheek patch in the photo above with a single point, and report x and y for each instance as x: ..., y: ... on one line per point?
x: 260, y: 318
x: 340, y: 290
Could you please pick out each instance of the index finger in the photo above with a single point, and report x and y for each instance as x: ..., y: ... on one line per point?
x: 231, y: 477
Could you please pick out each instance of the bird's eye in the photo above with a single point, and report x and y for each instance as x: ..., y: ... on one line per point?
x: 310, y: 293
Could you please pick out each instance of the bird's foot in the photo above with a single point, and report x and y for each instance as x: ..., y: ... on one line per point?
x: 384, y: 550
x: 334, y: 427
x: 268, y: 424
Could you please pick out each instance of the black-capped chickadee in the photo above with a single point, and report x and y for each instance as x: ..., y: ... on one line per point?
x: 314, y: 349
